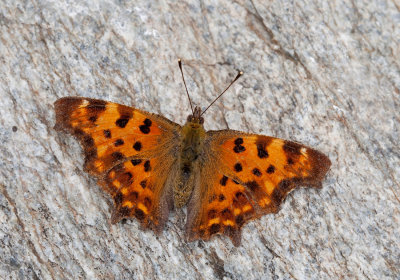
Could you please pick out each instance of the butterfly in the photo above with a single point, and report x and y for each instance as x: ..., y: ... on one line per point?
x: 151, y: 165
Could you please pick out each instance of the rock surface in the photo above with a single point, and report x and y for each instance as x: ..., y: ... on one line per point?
x: 322, y: 73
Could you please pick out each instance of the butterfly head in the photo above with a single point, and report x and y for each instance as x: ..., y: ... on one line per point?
x: 195, y: 118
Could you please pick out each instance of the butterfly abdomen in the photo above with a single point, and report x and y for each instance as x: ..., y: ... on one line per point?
x: 191, y: 147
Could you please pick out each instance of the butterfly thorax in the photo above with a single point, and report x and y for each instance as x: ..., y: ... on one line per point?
x: 192, y: 144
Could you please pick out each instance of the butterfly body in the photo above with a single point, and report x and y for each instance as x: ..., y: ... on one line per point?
x: 193, y: 135
x: 151, y: 165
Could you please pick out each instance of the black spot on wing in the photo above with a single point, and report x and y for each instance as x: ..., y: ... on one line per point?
x: 238, y: 167
x: 238, y: 145
x: 147, y: 122
x: 117, y: 156
x: 147, y: 166
x: 239, y: 149
x: 252, y: 185
x: 223, y: 180
x: 118, y: 142
x: 261, y: 151
x: 214, y: 228
x: 145, y: 127
x: 139, y: 214
x: 136, y: 161
x: 271, y: 169
x: 257, y: 172
x: 107, y: 133
x: 96, y: 106
x: 137, y: 146
x: 292, y: 148
x: 143, y: 183
x: 128, y: 176
x: 240, y: 195
x: 122, y: 121
x: 93, y: 119
x: 238, y: 141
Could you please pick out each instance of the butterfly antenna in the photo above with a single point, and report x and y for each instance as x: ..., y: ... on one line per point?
x: 183, y: 78
x: 234, y: 80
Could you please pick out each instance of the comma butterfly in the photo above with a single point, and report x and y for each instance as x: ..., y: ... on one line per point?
x: 149, y: 165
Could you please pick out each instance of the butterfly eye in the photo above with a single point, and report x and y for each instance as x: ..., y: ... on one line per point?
x: 201, y: 120
x: 190, y: 118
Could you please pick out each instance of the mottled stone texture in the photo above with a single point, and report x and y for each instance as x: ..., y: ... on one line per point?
x: 324, y: 73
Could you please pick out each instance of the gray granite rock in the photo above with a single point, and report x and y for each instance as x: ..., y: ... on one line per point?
x: 324, y: 73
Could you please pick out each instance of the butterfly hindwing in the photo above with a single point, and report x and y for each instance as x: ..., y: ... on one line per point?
x: 140, y: 188
x: 128, y: 150
x: 218, y: 205
x: 251, y: 176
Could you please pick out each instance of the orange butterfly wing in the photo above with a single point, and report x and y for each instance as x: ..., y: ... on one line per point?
x: 245, y: 176
x: 130, y: 151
